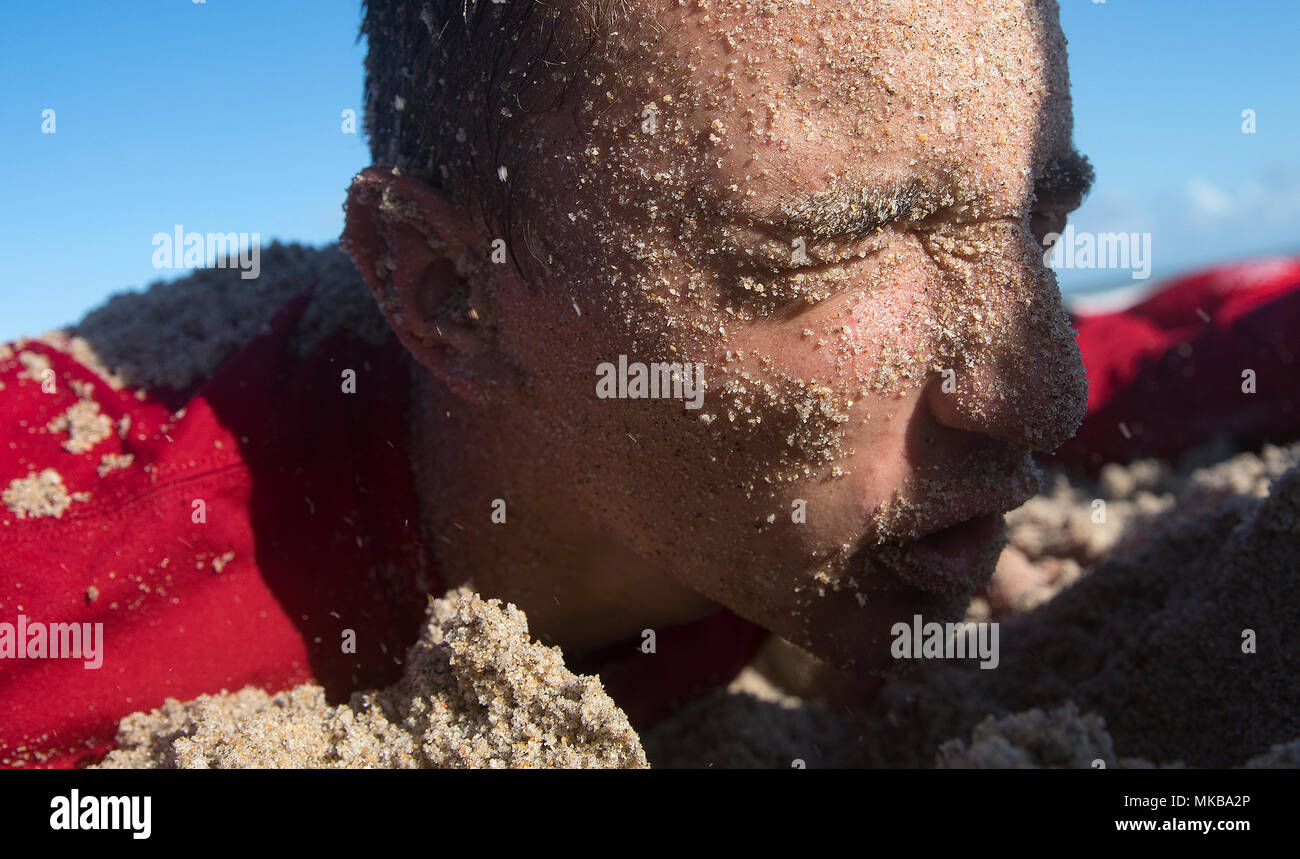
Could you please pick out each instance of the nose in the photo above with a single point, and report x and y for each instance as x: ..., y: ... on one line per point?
x: 1016, y: 373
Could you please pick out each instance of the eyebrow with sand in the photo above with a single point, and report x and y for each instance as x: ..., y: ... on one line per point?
x: 855, y: 210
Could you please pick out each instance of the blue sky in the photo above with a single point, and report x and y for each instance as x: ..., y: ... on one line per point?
x: 225, y: 115
x: 1159, y: 88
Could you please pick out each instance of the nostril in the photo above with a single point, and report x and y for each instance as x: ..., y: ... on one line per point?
x: 942, y: 397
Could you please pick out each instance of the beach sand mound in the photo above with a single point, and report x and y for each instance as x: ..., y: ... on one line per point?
x: 476, y: 692
x: 174, y: 334
x: 1037, y: 739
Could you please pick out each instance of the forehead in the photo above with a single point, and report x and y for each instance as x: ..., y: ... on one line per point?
x: 789, y: 98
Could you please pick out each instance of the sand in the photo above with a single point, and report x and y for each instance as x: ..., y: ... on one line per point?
x: 1136, y: 621
x: 1122, y: 635
x: 476, y: 692
x: 175, y: 333
x: 85, y: 425
x: 42, y: 494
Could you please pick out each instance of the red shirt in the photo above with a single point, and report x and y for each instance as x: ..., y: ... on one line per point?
x: 1169, y: 373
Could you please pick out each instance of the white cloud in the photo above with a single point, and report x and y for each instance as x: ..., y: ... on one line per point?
x: 1207, y: 200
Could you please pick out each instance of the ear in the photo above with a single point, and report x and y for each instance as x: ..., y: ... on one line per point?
x: 422, y: 258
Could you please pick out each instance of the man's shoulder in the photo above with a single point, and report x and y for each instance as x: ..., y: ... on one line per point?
x: 175, y: 334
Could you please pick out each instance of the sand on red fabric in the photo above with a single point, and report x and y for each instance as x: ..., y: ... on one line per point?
x: 307, y: 529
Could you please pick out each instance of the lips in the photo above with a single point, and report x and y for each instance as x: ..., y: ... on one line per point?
x: 945, y: 536
x: 960, y: 542
x: 932, y: 571
x: 956, y: 559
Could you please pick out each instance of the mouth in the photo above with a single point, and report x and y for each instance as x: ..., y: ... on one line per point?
x: 930, y: 554
x: 946, y: 540
x: 933, y: 575
x: 957, y: 559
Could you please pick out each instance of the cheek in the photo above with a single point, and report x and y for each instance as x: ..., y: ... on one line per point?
x: 836, y: 387
x: 798, y: 414
x: 817, y: 373
x: 793, y: 409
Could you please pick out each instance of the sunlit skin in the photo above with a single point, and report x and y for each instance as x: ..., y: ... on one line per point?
x: 889, y: 382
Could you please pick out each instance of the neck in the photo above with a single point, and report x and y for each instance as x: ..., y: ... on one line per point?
x: 580, y: 587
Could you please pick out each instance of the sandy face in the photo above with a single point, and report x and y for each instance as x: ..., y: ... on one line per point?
x: 831, y: 206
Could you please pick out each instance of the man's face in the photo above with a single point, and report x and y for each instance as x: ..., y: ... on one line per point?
x: 831, y: 206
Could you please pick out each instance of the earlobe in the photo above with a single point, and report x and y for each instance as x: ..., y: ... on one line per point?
x: 414, y: 250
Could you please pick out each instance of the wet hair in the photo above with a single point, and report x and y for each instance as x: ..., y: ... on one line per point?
x: 450, y: 85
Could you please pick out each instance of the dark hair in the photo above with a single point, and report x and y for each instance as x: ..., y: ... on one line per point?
x: 450, y: 82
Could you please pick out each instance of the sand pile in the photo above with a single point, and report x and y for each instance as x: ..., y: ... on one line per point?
x: 1064, y: 738
x: 476, y: 692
